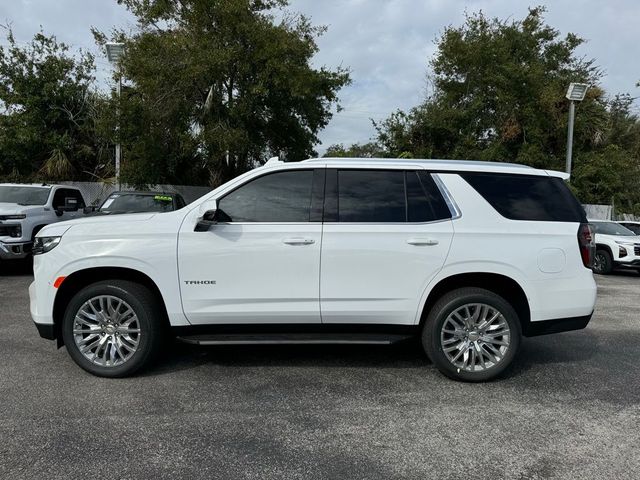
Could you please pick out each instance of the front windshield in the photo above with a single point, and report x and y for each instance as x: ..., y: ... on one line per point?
x: 24, y: 195
x: 134, y: 202
x: 612, y: 228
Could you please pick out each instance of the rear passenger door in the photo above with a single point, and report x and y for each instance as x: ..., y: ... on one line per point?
x: 386, y: 234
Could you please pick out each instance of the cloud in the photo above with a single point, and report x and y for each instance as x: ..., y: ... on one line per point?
x: 388, y: 44
x: 385, y: 43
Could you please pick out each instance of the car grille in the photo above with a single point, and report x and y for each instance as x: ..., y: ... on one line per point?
x: 10, y: 231
x: 636, y: 249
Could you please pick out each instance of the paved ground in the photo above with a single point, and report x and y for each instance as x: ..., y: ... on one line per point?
x: 568, y: 408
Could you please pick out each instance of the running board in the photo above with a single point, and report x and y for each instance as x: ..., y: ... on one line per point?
x: 294, y: 339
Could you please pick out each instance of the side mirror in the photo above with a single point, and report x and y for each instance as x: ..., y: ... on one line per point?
x: 208, y: 219
x: 59, y: 212
x: 86, y: 210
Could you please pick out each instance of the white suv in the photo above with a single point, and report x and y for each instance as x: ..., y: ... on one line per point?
x: 616, y: 246
x: 469, y: 256
x: 27, y: 208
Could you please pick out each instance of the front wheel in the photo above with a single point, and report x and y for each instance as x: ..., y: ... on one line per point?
x: 113, y: 328
x: 471, y: 334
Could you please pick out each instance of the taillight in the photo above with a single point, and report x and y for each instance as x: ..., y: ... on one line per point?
x: 587, y: 244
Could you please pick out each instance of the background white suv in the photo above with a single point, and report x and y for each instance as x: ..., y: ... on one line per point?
x: 616, y: 246
x: 469, y: 256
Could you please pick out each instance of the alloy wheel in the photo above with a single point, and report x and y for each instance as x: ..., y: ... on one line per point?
x: 475, y: 337
x: 106, y: 330
x: 599, y: 262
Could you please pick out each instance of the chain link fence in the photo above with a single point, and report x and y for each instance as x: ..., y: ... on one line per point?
x: 95, y: 192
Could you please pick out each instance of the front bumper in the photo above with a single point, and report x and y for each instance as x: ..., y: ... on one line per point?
x: 15, y: 251
x: 43, y: 322
x: 627, y: 255
x: 633, y: 263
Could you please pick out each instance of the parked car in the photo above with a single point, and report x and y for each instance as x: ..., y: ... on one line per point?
x: 26, y: 209
x: 136, y: 202
x: 616, y: 246
x: 633, y: 226
x: 468, y: 256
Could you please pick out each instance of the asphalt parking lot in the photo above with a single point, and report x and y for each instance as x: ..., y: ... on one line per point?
x: 569, y: 408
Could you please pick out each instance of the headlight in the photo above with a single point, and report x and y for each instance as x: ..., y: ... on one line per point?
x: 45, y: 244
x: 14, y: 217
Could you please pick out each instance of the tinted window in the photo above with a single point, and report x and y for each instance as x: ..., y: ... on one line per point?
x: 611, y: 228
x: 277, y: 197
x: 78, y: 196
x: 424, y: 200
x: 634, y: 227
x: 371, y: 196
x: 180, y: 203
x: 378, y: 196
x: 66, y: 197
x: 24, y: 195
x: 527, y: 197
x: 137, y: 202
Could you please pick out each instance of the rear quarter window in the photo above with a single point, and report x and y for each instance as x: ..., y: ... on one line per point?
x: 527, y: 197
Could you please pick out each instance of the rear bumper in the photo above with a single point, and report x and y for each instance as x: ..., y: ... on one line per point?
x: 545, y: 327
x: 14, y: 251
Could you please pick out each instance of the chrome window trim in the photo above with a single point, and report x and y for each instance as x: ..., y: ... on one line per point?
x: 448, y: 198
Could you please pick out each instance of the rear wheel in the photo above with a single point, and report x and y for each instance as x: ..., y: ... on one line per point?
x: 471, y: 334
x: 602, y: 263
x: 113, y: 328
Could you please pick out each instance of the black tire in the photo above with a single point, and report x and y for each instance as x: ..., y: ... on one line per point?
x: 603, y: 263
x: 151, y: 319
x: 449, y: 303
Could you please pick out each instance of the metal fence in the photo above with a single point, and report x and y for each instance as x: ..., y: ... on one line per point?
x: 95, y: 192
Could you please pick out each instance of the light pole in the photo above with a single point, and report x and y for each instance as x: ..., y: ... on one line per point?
x: 114, y: 52
x: 575, y: 93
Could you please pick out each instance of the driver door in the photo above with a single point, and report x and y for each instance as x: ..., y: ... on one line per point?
x: 260, y: 263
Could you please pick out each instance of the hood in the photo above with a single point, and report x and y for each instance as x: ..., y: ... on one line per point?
x: 125, y: 217
x: 12, y: 209
x: 99, y: 220
x: 628, y: 239
x: 621, y: 238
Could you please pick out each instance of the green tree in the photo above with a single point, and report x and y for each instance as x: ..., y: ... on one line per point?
x: 48, y: 106
x: 356, y: 150
x: 218, y: 86
x: 499, y: 94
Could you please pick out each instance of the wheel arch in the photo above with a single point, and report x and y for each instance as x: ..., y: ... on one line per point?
x: 82, y: 278
x: 502, y: 285
x: 605, y: 247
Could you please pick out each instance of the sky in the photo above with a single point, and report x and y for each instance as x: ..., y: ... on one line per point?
x: 386, y: 44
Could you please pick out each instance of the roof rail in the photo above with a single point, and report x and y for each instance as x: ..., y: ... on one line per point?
x: 273, y: 161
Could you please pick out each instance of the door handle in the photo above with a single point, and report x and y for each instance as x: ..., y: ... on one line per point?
x: 422, y: 241
x: 298, y: 241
